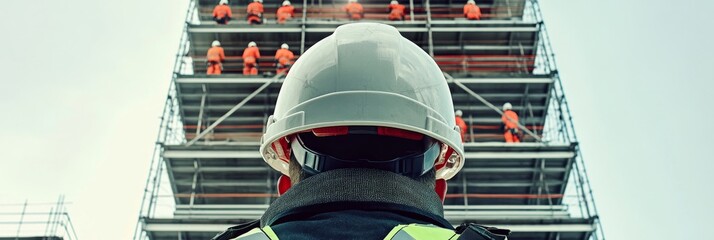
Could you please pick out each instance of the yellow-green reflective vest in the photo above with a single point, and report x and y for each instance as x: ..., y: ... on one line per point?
x: 400, y: 232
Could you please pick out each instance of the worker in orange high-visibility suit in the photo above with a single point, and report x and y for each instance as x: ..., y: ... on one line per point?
x: 215, y: 57
x: 462, y: 124
x: 285, y: 12
x: 510, y: 123
x: 354, y: 10
x: 471, y: 11
x: 396, y: 11
x: 250, y: 59
x: 222, y: 12
x: 283, y: 57
x: 255, y: 12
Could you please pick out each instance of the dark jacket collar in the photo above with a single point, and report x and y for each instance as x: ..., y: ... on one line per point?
x: 358, y: 185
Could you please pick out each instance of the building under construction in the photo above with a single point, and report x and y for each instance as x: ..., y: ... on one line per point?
x: 207, y: 173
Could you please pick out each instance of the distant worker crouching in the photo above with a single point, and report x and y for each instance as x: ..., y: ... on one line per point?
x: 396, y: 11
x: 283, y: 57
x: 286, y: 12
x: 510, y: 124
x: 255, y: 12
x: 250, y: 59
x: 354, y: 10
x: 222, y: 12
x: 471, y: 11
x: 461, y: 123
x: 215, y: 58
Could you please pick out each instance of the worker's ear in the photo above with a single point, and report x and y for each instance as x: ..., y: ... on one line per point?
x: 440, y: 188
x: 283, y: 184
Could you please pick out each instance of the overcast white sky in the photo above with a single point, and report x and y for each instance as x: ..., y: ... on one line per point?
x: 83, y: 84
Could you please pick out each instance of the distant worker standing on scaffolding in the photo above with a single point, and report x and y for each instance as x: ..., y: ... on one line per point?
x: 255, y: 12
x: 222, y: 12
x: 471, y: 11
x: 462, y: 124
x: 354, y: 10
x: 510, y: 123
x: 283, y: 57
x: 286, y: 12
x: 215, y: 57
x: 250, y: 59
x: 396, y: 11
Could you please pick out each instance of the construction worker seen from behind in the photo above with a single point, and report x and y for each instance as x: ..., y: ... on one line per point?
x: 510, y: 124
x: 222, y: 12
x: 461, y: 123
x: 471, y: 11
x: 255, y: 12
x: 396, y: 11
x: 364, y: 154
x: 285, y: 12
x: 250, y: 59
x: 354, y: 10
x: 215, y: 57
x: 283, y: 58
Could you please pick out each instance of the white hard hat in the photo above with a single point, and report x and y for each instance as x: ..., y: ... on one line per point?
x: 459, y: 113
x: 507, y: 106
x: 223, y: 2
x: 328, y: 92
x: 470, y: 2
x: 260, y: 1
x: 284, y: 46
x: 215, y: 43
x: 351, y: 1
x: 252, y: 44
x: 394, y: 2
x: 286, y: 3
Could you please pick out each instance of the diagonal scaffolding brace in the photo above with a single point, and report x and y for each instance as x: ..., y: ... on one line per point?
x: 234, y: 109
x: 490, y: 105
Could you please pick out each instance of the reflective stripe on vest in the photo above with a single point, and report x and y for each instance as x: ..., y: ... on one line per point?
x: 419, y: 232
x: 400, y: 232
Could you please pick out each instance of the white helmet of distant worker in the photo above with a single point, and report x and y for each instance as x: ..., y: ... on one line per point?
x: 284, y: 46
x: 394, y: 2
x: 507, y: 106
x: 470, y: 2
x: 365, y: 80
x: 223, y: 2
x: 252, y: 44
x: 459, y: 113
x: 286, y: 3
x: 215, y: 43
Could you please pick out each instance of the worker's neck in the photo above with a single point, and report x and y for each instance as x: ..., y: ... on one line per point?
x: 356, y: 185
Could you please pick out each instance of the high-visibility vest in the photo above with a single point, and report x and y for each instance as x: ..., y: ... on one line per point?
x: 400, y: 232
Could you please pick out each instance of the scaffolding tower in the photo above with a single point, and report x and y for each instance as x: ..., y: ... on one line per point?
x: 207, y: 174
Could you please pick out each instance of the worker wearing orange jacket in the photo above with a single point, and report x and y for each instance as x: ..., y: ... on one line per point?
x: 250, y: 59
x: 222, y: 12
x: 471, y: 11
x: 283, y: 57
x: 396, y: 11
x: 510, y: 122
x: 215, y: 57
x: 354, y: 10
x: 285, y: 12
x: 462, y: 124
x: 255, y: 12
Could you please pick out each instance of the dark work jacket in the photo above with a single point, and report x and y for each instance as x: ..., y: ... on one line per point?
x: 349, y: 204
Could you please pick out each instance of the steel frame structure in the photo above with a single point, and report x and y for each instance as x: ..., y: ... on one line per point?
x: 49, y: 221
x: 206, y: 173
